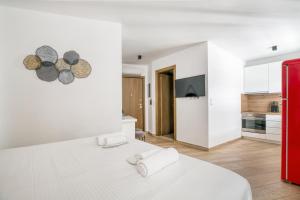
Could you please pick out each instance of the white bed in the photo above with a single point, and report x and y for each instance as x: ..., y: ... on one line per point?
x: 81, y: 170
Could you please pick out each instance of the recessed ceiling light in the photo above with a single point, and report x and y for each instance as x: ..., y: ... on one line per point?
x: 274, y: 48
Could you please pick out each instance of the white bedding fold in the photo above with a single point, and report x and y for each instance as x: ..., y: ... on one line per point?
x: 157, y: 161
x: 78, y: 169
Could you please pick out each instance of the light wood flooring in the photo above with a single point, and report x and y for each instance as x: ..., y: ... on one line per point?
x: 170, y: 136
x: 258, y: 162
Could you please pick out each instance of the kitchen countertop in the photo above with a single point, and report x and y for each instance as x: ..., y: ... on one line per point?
x: 264, y: 113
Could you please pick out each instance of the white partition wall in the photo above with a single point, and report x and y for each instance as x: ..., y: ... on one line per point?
x: 225, y: 73
x: 2, y: 87
x: 192, y: 114
x: 214, y: 119
x: 34, y: 111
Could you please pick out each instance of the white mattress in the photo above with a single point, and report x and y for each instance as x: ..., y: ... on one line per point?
x: 81, y: 170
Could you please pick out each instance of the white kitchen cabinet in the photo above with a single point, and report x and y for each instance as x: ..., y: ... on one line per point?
x: 275, y: 77
x: 264, y: 78
x: 273, y: 128
x: 274, y: 131
x: 256, y: 79
x: 274, y: 137
x: 275, y: 118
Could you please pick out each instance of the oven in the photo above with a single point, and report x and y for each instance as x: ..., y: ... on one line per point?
x: 255, y: 123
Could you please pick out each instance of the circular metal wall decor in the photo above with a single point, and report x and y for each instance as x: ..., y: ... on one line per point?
x: 62, y: 65
x: 48, y: 67
x: 71, y: 57
x: 47, y: 55
x: 66, y: 76
x: 47, y: 73
x: 82, y: 69
x: 32, y: 62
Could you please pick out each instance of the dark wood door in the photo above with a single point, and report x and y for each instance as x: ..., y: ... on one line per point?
x: 133, y: 99
x: 166, y: 104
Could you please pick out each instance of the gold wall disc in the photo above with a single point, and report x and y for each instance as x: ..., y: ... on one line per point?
x: 32, y: 62
x: 82, y: 69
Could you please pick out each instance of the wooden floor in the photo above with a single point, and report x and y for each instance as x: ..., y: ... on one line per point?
x: 258, y: 162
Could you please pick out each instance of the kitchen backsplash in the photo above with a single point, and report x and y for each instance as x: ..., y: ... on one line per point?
x: 259, y: 102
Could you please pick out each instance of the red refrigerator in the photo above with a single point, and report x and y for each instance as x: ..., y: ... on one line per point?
x: 290, y: 167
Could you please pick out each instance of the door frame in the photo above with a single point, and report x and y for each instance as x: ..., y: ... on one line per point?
x: 143, y: 95
x: 157, y: 87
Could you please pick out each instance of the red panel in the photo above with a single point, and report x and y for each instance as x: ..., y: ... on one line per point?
x: 292, y: 144
x: 283, y: 114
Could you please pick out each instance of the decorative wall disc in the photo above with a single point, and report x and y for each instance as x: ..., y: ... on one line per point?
x: 82, y: 69
x: 71, y: 57
x: 32, y: 62
x: 62, y: 65
x: 66, y: 76
x: 47, y: 54
x: 48, y: 67
x: 47, y: 64
x: 47, y: 73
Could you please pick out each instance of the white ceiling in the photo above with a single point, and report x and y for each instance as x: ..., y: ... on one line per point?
x: 247, y: 28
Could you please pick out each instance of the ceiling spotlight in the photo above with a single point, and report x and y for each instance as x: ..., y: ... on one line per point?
x: 274, y: 48
x: 139, y: 57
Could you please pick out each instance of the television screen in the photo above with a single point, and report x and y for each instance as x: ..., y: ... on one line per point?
x: 190, y: 87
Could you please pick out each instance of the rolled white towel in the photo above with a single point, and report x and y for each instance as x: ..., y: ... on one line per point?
x: 113, y: 141
x: 101, y: 138
x: 157, y: 161
x: 139, y: 156
x: 146, y: 154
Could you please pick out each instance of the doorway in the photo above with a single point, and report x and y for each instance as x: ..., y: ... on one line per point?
x: 133, y: 100
x: 165, y: 102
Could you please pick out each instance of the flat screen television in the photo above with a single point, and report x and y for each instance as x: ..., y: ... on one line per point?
x: 190, y: 87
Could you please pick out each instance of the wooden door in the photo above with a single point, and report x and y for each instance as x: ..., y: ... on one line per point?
x: 166, y: 104
x: 133, y: 99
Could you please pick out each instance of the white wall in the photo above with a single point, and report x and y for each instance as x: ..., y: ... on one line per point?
x: 2, y: 106
x: 191, y: 114
x: 141, y: 70
x: 282, y: 57
x: 40, y: 112
x: 225, y: 73
x: 150, y: 102
x: 215, y: 118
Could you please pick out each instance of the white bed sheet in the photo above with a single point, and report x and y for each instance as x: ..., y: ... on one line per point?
x: 81, y: 170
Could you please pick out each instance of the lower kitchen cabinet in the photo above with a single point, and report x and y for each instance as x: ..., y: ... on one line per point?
x: 254, y: 135
x: 274, y: 137
x: 273, y: 130
x: 273, y: 127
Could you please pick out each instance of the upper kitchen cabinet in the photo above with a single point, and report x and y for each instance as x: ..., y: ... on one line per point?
x: 256, y: 79
x: 264, y: 78
x: 275, y: 77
